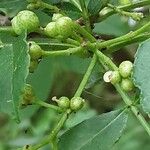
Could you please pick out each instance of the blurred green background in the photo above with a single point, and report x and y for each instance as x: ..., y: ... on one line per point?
x: 60, y: 76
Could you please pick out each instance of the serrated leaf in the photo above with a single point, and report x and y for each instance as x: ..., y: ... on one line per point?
x: 14, y: 63
x: 98, y: 133
x: 142, y: 72
x: 95, y: 6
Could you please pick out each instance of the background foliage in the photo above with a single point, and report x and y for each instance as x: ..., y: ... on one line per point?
x: 47, y: 81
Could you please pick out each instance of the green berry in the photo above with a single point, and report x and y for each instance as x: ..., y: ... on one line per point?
x: 127, y: 85
x: 56, y: 17
x: 63, y: 102
x: 33, y: 66
x: 64, y: 26
x: 25, y: 20
x: 51, y: 30
x: 35, y: 51
x: 107, y: 75
x: 76, y: 103
x: 115, y: 77
x: 125, y: 69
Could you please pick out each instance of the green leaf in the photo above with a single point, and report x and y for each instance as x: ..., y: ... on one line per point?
x: 11, y: 7
x: 95, y: 6
x: 74, y: 2
x: 96, y: 77
x: 71, y: 10
x: 42, y: 78
x: 14, y: 63
x: 6, y: 73
x: 112, y: 26
x: 73, y: 63
x: 130, y: 140
x: 142, y: 72
x: 80, y: 116
x: 98, y: 133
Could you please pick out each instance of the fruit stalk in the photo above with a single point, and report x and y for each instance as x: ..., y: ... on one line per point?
x: 86, y: 76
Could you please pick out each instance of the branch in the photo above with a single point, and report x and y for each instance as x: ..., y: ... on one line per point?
x: 108, y: 64
x: 125, y: 8
x: 116, y: 46
x: 86, y: 77
x: 123, y: 39
x: 43, y: 5
x: 54, y: 132
x: 67, y: 52
x: 44, y: 104
x: 85, y: 15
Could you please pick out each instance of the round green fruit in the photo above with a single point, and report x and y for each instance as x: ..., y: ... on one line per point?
x: 115, y: 77
x: 25, y: 21
x: 51, y: 30
x: 125, y: 69
x: 56, y: 17
x: 76, y: 103
x: 127, y: 85
x: 63, y: 102
x: 64, y: 26
x: 35, y: 51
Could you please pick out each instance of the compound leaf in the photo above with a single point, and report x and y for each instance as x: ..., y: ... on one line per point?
x: 98, y: 133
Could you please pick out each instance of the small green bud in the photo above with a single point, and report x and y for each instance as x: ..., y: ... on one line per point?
x: 51, y: 30
x: 127, y: 85
x: 63, y: 102
x: 35, y: 51
x: 28, y: 95
x: 125, y: 69
x: 64, y: 26
x: 25, y: 20
x: 56, y: 17
x: 115, y: 77
x: 33, y: 66
x: 76, y: 103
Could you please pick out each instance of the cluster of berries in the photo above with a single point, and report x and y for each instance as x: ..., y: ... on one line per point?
x: 122, y: 76
x: 74, y: 104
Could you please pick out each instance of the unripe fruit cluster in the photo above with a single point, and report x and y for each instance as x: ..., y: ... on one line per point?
x: 122, y: 76
x: 74, y: 104
x: 60, y: 26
